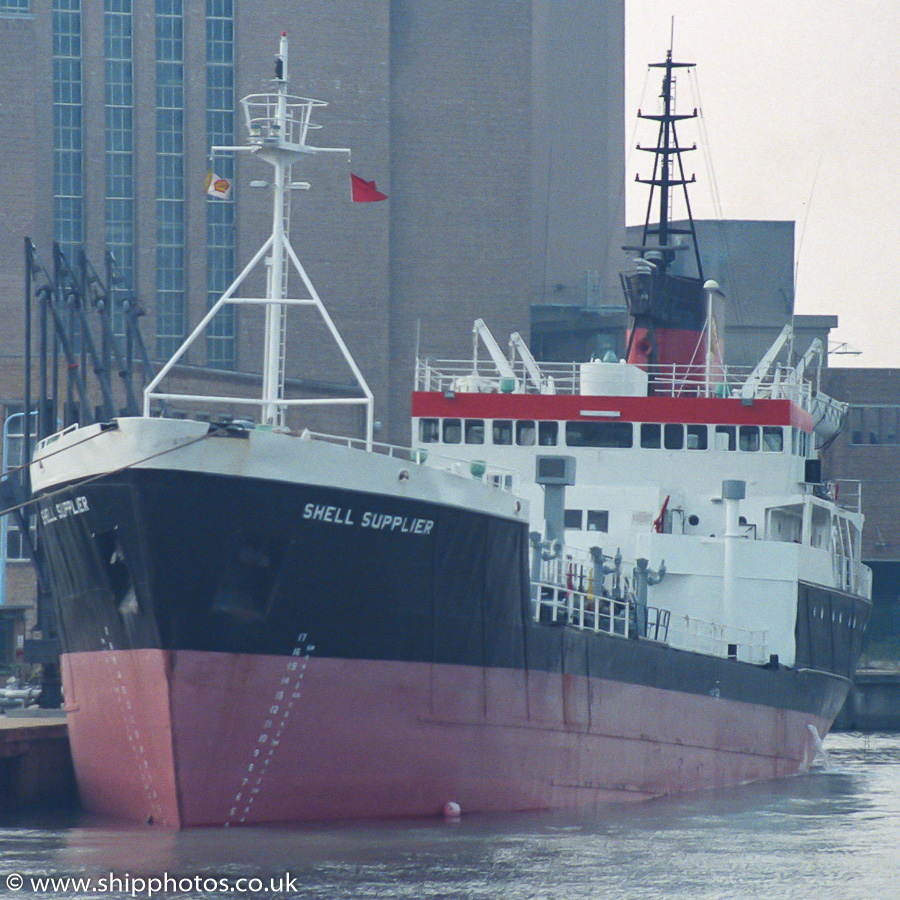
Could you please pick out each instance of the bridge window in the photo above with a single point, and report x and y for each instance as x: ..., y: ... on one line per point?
x: 452, y: 431
x: 772, y: 439
x: 599, y: 434
x: 573, y: 518
x: 525, y: 433
x: 749, y: 437
x: 799, y: 442
x: 474, y: 431
x: 697, y: 437
x: 651, y: 436
x: 726, y: 437
x: 428, y: 431
x: 502, y: 431
x: 673, y: 437
x: 548, y: 433
x: 598, y: 520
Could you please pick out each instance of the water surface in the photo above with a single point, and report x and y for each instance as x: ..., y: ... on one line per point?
x: 830, y: 834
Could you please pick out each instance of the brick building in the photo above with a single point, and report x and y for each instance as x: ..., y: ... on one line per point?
x: 496, y: 130
x: 869, y: 450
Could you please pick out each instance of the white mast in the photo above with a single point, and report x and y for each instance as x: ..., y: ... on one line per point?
x: 278, y: 124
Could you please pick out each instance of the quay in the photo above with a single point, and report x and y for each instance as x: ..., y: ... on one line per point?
x: 35, y: 761
x: 873, y: 703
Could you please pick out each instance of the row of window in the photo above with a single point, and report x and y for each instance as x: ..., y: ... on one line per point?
x: 874, y: 424
x: 13, y: 424
x: 609, y: 435
x: 67, y: 126
x: 220, y: 267
x: 119, y: 149
x: 171, y: 319
x: 14, y: 7
x: 170, y: 250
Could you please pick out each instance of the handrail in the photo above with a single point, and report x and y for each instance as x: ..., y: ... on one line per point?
x: 555, y: 604
x: 667, y: 380
x: 698, y: 635
x: 498, y: 476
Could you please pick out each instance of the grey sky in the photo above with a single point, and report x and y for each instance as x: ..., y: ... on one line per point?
x: 801, y: 107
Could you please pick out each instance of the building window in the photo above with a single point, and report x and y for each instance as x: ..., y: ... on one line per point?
x: 15, y: 7
x: 119, y: 151
x: 874, y: 424
x: 67, y: 126
x: 171, y: 318
x: 221, y: 351
x: 14, y: 445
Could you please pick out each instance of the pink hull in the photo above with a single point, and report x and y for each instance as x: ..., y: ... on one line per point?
x: 189, y: 738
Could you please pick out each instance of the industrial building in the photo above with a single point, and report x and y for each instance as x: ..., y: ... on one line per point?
x: 495, y: 130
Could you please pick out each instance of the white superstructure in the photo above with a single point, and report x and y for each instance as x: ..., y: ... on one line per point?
x: 655, y: 449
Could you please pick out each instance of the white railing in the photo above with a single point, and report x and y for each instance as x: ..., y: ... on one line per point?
x: 688, y: 633
x: 498, y: 476
x: 558, y: 605
x: 851, y: 575
x: 846, y: 493
x: 665, y: 380
x: 280, y: 118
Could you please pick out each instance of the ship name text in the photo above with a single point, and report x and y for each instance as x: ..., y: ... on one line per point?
x: 341, y: 515
x: 64, y: 509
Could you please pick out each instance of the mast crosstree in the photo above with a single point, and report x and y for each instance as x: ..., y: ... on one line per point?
x: 665, y: 178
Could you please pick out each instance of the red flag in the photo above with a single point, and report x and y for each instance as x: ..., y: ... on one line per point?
x: 365, y: 191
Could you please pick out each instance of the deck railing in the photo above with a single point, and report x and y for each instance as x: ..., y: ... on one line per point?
x: 699, y: 636
x: 555, y: 604
x: 497, y: 476
x: 664, y: 380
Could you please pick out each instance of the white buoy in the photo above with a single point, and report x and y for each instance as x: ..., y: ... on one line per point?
x: 452, y: 810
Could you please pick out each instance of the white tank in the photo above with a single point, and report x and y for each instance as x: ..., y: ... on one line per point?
x: 612, y: 379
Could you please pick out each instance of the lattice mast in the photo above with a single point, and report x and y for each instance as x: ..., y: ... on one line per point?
x: 664, y: 178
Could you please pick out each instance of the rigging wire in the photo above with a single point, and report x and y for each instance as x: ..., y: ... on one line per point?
x: 734, y: 295
x: 812, y: 191
x: 610, y: 236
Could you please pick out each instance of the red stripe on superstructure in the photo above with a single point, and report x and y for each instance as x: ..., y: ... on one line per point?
x: 687, y: 410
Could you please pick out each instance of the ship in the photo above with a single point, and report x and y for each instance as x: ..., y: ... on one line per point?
x: 581, y: 584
